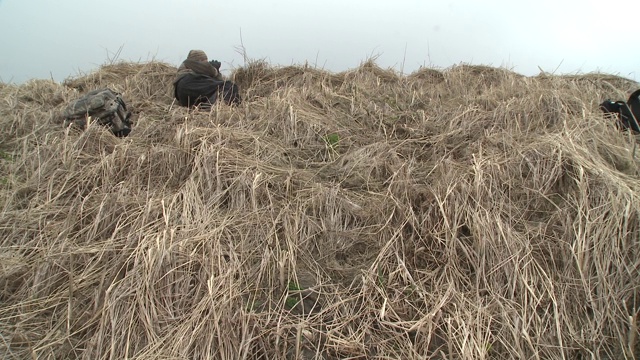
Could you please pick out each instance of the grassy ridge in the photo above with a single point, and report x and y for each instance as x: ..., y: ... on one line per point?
x: 467, y: 213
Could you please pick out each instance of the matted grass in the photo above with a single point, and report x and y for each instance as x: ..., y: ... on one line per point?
x: 463, y: 213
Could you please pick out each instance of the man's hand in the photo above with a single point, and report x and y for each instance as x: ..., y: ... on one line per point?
x: 216, y: 64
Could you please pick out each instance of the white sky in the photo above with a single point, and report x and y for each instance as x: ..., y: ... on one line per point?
x: 61, y: 38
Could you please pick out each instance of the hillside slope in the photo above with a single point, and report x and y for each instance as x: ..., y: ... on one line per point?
x: 466, y: 213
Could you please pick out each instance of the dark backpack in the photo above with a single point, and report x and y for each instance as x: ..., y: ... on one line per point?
x: 103, y: 106
x: 627, y: 113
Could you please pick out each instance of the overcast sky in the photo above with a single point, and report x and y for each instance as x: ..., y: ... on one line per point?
x: 62, y: 38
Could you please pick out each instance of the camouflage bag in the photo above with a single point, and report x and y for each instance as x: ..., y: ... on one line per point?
x: 103, y: 106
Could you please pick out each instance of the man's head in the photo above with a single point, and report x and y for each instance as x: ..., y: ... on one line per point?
x: 197, y: 55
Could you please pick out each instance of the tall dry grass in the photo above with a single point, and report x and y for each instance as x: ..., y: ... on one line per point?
x: 468, y: 213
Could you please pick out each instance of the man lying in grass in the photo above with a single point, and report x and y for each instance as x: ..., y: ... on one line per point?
x: 199, y: 82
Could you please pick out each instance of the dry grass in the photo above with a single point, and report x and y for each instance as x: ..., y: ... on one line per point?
x: 467, y: 213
